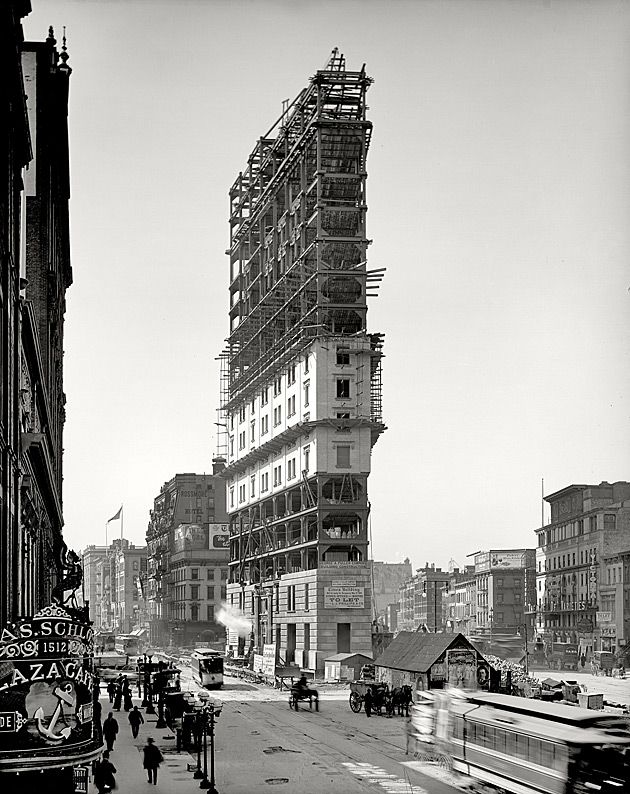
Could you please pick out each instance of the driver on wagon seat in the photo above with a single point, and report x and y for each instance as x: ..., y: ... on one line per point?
x: 302, y: 684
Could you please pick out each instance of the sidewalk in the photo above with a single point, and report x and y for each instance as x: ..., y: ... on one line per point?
x: 131, y: 777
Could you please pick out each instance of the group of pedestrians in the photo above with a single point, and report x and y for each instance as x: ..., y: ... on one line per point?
x: 104, y: 769
x: 119, y: 692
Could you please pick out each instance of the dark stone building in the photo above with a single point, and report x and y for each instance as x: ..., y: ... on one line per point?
x: 35, y: 273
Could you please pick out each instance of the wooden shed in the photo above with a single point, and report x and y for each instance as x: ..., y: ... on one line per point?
x: 345, y: 666
x: 432, y: 661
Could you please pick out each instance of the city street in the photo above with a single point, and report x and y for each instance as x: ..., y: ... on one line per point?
x: 260, y: 742
x: 616, y: 690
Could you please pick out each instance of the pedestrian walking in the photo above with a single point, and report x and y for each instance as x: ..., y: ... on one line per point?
x: 111, y: 690
x: 152, y: 760
x: 135, y: 720
x: 104, y: 772
x: 126, y: 692
x: 118, y: 697
x: 110, y: 730
x: 368, y: 701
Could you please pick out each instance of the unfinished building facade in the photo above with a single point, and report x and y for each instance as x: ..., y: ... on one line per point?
x: 301, y: 378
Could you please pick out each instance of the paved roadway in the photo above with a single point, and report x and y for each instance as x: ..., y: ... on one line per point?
x: 260, y: 742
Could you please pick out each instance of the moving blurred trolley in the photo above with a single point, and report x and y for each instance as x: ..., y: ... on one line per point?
x: 520, y: 745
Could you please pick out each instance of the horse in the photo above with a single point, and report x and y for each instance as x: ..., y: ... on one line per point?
x: 298, y: 693
x: 402, y: 698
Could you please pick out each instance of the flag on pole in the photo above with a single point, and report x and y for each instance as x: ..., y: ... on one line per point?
x: 117, y: 516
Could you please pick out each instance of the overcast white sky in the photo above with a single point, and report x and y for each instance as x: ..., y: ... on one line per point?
x: 499, y: 202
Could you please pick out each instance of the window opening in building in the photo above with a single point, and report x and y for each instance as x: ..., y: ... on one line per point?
x: 343, y: 388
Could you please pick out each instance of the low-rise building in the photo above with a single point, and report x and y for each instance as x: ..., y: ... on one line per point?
x: 386, y: 580
x: 459, y: 608
x: 505, y: 581
x: 114, y: 578
x: 586, y: 539
x: 421, y: 600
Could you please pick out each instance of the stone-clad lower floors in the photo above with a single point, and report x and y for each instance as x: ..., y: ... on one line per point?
x: 308, y: 615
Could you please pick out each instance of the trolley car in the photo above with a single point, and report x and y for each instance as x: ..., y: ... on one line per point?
x: 207, y: 667
x: 521, y: 746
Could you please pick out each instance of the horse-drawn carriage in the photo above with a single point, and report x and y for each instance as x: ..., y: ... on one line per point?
x: 303, y: 692
x: 380, y: 697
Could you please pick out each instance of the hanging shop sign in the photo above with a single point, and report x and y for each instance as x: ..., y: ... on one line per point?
x: 46, y: 691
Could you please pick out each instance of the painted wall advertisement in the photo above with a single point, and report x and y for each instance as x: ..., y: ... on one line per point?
x: 46, y: 691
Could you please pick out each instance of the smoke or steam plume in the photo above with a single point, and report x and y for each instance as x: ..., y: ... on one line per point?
x: 233, y: 620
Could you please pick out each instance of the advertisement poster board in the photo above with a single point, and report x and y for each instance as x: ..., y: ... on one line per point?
x: 461, y: 666
x: 269, y: 660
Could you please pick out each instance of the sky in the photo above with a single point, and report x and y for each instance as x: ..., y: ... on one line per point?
x: 498, y: 201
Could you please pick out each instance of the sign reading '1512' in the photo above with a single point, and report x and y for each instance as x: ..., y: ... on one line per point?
x: 46, y: 684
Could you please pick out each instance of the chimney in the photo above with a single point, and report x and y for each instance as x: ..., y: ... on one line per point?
x: 218, y: 464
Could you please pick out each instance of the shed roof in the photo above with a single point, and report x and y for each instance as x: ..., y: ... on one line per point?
x: 342, y: 657
x: 416, y: 652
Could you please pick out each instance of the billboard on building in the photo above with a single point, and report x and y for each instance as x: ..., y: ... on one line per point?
x: 507, y: 559
x: 46, y: 691
x: 190, y: 537
x: 219, y: 536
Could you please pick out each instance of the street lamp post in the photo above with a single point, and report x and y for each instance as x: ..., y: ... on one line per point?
x: 198, y: 774
x: 491, y: 617
x: 210, y: 714
x: 524, y: 627
x: 150, y: 708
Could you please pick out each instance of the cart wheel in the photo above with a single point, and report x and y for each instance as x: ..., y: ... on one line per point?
x: 355, y: 702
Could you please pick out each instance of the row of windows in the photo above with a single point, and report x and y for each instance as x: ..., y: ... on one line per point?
x: 238, y: 599
x: 343, y: 460
x: 587, y: 557
x: 184, y: 573
x: 537, y: 751
x: 342, y: 392
x: 575, y: 529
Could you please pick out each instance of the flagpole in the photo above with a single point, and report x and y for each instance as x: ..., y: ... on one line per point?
x: 121, y: 522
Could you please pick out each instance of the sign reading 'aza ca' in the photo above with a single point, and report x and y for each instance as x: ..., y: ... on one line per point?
x: 46, y: 686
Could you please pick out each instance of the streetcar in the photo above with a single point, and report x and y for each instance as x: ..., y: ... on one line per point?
x: 523, y: 746
x: 207, y: 667
x: 128, y: 644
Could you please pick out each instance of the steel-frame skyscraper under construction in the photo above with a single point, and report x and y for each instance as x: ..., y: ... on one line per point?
x: 301, y: 377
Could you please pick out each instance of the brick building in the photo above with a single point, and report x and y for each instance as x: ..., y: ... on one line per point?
x: 187, y: 544
x: 505, y: 582
x: 586, y: 539
x: 421, y: 600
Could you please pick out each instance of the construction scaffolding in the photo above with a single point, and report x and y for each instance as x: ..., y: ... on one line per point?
x: 298, y: 245
x: 299, y: 280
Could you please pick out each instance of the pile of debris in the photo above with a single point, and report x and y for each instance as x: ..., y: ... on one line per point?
x: 518, y: 675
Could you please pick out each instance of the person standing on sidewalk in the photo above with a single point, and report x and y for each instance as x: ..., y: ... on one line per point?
x: 111, y: 690
x: 110, y: 730
x: 152, y: 760
x: 368, y: 701
x: 135, y: 720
